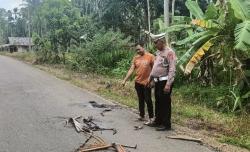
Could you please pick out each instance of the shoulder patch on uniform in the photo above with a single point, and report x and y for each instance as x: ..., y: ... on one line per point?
x: 170, y: 55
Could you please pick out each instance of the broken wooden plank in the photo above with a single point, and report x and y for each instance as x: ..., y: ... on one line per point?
x: 118, y: 148
x: 102, y: 147
x: 186, y: 138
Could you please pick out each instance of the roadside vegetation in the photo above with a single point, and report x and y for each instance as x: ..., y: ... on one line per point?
x: 91, y: 45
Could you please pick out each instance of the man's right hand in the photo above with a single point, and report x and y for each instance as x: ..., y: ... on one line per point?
x: 150, y: 83
x: 123, y: 83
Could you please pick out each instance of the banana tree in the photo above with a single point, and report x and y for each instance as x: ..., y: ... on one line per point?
x: 230, y: 23
x: 220, y: 34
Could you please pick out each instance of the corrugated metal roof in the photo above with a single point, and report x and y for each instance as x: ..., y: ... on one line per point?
x: 4, y: 45
x: 21, y: 41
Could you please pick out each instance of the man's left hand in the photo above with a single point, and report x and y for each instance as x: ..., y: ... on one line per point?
x: 166, y: 89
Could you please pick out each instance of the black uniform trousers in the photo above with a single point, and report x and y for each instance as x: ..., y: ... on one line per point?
x: 162, y: 105
x: 144, y: 95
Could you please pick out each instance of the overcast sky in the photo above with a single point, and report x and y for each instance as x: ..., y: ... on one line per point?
x: 10, y: 4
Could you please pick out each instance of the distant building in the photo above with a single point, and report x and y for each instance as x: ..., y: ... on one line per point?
x: 17, y: 44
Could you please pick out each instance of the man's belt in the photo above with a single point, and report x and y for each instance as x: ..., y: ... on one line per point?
x: 161, y: 79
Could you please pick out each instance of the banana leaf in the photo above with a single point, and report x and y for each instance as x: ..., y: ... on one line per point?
x: 247, y: 95
x: 242, y: 36
x: 211, y: 12
x: 192, y: 37
x: 181, y: 19
x: 177, y: 28
x: 186, y: 57
x: 198, y: 55
x: 194, y: 9
x: 208, y: 24
x: 241, y: 9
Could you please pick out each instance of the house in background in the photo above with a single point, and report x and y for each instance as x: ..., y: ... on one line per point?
x: 17, y: 44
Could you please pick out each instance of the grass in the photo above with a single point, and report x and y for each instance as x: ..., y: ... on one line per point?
x: 187, y: 110
x: 239, y: 141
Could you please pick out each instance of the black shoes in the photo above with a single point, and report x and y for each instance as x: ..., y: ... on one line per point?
x: 163, y: 128
x: 159, y: 127
x: 154, y: 124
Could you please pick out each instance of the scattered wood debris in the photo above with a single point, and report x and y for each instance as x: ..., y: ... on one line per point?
x: 186, y: 138
x: 94, y: 127
x: 87, y: 125
x: 79, y: 127
x: 138, y: 127
x: 114, y: 146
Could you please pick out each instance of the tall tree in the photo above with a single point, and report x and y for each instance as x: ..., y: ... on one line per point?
x: 149, y: 16
x: 3, y: 26
x: 173, y: 11
x: 166, y: 15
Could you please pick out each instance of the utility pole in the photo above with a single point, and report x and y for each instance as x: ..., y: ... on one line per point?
x: 166, y: 16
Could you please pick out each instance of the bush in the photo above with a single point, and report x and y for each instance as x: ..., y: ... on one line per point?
x: 122, y: 67
x: 218, y: 97
x: 104, y: 52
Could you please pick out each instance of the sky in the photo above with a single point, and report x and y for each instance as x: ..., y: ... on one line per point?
x: 10, y: 4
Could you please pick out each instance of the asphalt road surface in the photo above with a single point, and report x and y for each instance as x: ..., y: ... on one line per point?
x: 33, y: 104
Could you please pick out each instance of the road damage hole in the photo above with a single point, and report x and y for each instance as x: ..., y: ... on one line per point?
x: 107, y: 107
x: 105, y: 110
x: 94, y: 104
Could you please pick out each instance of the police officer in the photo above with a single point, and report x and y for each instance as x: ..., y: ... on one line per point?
x: 163, y: 73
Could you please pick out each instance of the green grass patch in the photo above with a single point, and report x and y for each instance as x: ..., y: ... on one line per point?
x: 24, y: 56
x: 242, y: 141
x: 125, y: 100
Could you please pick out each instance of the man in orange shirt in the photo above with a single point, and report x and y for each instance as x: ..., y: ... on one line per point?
x: 142, y: 65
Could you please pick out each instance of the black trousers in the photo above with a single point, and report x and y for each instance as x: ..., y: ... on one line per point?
x: 144, y: 95
x: 162, y: 105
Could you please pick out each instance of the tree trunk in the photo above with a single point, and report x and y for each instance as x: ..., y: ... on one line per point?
x: 29, y: 28
x: 86, y: 7
x: 149, y: 23
x: 173, y: 9
x: 166, y: 16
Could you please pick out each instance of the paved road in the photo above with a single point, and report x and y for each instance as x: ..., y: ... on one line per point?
x: 32, y: 100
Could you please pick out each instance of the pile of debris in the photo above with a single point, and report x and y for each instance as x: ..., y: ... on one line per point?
x: 87, y: 126
x: 104, y: 146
